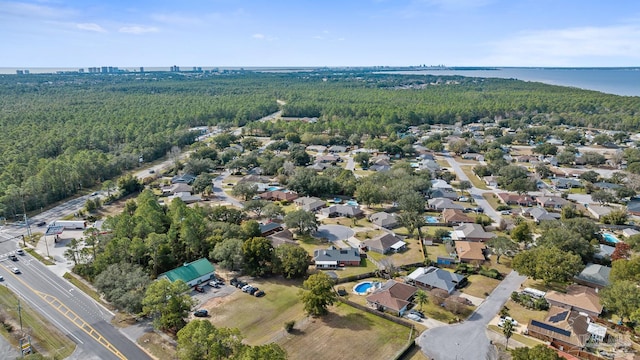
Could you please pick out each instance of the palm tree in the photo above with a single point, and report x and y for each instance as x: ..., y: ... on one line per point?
x: 507, y: 330
x: 421, y: 298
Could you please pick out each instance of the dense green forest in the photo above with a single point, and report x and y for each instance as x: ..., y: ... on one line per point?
x: 65, y: 133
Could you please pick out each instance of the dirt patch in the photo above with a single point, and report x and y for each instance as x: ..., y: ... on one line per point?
x: 157, y: 346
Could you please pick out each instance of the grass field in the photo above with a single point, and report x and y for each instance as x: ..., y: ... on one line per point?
x: 45, y: 337
x: 259, y: 319
x: 526, y: 340
x: 33, y: 253
x: 434, y: 251
x: 346, y: 333
x: 475, y: 180
x: 480, y: 285
x: 522, y: 314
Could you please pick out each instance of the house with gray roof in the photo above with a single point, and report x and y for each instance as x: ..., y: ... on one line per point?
x: 554, y: 202
x: 342, y: 210
x: 540, y: 214
x: 598, y: 211
x: 471, y: 232
x: 434, y: 278
x: 629, y: 232
x: 604, y: 252
x: 384, y: 219
x: 633, y: 207
x: 443, y: 203
x: 594, y: 275
x: 443, y: 193
x: 332, y: 257
x: 385, y: 243
x: 337, y: 149
x: 310, y: 203
x: 566, y: 183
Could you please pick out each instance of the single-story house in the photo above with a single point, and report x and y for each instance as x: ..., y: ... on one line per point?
x: 384, y: 219
x: 443, y: 203
x: 606, y: 185
x: 515, y: 199
x: 490, y: 180
x: 342, y: 210
x: 633, y: 207
x: 470, y: 252
x: 577, y: 297
x: 270, y: 228
x: 332, y: 257
x: 454, y: 216
x: 337, y: 149
x: 392, y: 296
x: 594, y: 275
x: 598, y: 211
x: 279, y: 195
x: 328, y: 159
x: 540, y: 214
x: 316, y: 148
x: 193, y: 273
x: 563, y: 327
x: 471, y: 232
x: 432, y: 277
x: 319, y: 167
x: 282, y: 237
x: 566, y: 183
x: 472, y: 156
x: 310, y: 203
x: 604, y: 252
x: 440, y: 184
x: 186, y: 197
x: 185, y: 179
x: 252, y: 178
x: 429, y: 165
x: 385, y: 243
x: 176, y: 188
x: 443, y: 193
x: 554, y: 202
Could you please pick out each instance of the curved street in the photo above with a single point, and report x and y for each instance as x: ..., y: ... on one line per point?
x: 468, y: 340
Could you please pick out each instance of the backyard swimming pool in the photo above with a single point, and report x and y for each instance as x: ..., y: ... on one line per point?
x: 363, y: 288
x: 610, y: 238
x: 431, y: 219
x: 352, y: 203
x: 273, y: 188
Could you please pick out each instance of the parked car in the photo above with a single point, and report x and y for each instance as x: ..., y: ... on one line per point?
x: 253, y: 290
x: 504, y: 319
x: 214, y: 285
x: 505, y: 212
x: 233, y: 281
x: 201, y: 313
x: 198, y: 289
x: 259, y: 293
x: 413, y: 317
x: 416, y: 312
x: 15, y: 270
x: 20, y: 252
x: 13, y: 257
x: 246, y: 288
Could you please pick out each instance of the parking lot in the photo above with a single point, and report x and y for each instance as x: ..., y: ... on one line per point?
x: 211, y: 292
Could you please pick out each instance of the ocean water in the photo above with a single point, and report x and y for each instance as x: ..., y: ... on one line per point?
x: 618, y: 81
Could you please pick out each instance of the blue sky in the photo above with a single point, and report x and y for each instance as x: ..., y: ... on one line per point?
x: 83, y: 33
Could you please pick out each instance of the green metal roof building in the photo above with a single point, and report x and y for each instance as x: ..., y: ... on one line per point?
x: 192, y: 273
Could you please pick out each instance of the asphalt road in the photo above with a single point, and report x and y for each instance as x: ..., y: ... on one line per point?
x: 66, y: 307
x: 468, y: 340
x: 474, y: 191
x: 219, y: 192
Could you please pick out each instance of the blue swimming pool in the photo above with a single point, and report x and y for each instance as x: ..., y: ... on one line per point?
x: 610, y: 238
x: 431, y: 219
x: 363, y: 287
x: 273, y: 188
x: 352, y: 203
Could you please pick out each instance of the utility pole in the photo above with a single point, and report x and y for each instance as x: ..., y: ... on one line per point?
x: 20, y: 315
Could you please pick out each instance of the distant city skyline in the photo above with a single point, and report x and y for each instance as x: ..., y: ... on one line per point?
x: 305, y: 33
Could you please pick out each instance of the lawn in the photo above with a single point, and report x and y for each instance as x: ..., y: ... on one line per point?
x: 368, y: 234
x: 522, y: 314
x: 415, y: 354
x: 259, y: 319
x: 310, y: 243
x: 433, y: 251
x: 366, y: 266
x: 157, y: 346
x: 526, y: 340
x: 473, y: 178
x: 492, y: 199
x: 480, y: 286
x: 410, y: 256
x: 346, y: 333
x: 45, y: 337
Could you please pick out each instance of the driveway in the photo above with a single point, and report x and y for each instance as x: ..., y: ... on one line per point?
x: 334, y: 232
x: 468, y: 340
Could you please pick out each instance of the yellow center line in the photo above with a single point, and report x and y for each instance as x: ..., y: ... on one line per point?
x: 73, y: 317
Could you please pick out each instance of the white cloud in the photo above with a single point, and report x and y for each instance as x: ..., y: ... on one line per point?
x: 566, y: 47
x: 91, y: 27
x: 258, y: 36
x: 138, y: 29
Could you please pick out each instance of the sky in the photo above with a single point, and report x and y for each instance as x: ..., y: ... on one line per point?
x: 251, y: 33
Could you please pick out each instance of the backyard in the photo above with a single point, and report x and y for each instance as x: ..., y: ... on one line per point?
x: 345, y: 333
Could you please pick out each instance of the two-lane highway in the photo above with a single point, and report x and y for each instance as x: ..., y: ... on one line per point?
x: 70, y: 310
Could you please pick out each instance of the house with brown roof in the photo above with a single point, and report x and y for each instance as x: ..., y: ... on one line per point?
x: 554, y: 202
x: 577, y: 297
x: 282, y: 237
x: 456, y: 216
x: 563, y: 327
x: 279, y: 195
x: 392, y: 296
x: 471, y: 232
x: 515, y: 199
x: 470, y: 252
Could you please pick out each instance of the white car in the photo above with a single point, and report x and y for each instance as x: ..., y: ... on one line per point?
x: 15, y: 270
x: 1, y: 278
x: 505, y: 319
x: 413, y: 317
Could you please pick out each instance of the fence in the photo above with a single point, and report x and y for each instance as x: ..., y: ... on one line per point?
x: 355, y: 277
x: 384, y: 315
